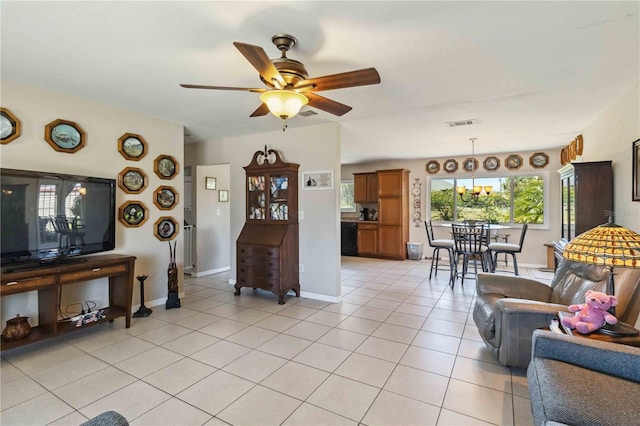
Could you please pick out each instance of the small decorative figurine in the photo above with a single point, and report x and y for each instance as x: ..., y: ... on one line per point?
x: 143, y: 311
x: 172, y: 299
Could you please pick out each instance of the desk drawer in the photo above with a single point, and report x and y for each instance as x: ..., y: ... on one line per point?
x: 249, y: 280
x: 28, y: 284
x: 248, y: 252
x: 92, y: 273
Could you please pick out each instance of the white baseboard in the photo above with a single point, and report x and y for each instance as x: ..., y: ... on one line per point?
x: 322, y: 297
x: 232, y: 281
x: 210, y: 271
x: 155, y: 302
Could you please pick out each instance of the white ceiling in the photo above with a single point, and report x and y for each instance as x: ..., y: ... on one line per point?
x: 533, y: 74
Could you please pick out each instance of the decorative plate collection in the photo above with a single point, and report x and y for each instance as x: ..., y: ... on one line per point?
x: 537, y: 160
x: 68, y: 137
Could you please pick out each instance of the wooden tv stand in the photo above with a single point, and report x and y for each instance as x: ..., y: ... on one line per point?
x: 49, y: 280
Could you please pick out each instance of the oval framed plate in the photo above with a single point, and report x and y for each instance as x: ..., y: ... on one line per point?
x: 539, y: 160
x: 491, y: 164
x: 513, y: 162
x: 450, y: 166
x: 432, y: 167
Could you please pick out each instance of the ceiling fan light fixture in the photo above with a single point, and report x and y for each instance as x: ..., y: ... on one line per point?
x: 284, y: 104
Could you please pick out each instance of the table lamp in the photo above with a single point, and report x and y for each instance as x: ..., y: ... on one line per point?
x: 609, y: 245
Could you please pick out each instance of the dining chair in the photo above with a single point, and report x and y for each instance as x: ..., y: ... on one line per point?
x: 437, y: 245
x: 470, y: 242
x: 508, y: 249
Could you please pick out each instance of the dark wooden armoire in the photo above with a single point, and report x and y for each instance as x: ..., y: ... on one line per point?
x: 267, y: 255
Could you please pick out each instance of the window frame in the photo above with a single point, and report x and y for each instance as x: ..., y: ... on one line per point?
x: 347, y: 209
x: 545, y: 225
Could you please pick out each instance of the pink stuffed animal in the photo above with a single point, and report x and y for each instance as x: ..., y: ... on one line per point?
x: 592, y: 315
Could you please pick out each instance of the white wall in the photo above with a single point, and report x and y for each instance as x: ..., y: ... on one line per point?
x: 610, y: 137
x: 103, y: 126
x: 534, y: 252
x: 212, y: 220
x: 315, y: 148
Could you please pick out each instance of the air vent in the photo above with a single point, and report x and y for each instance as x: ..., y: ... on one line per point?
x: 307, y: 113
x: 461, y: 123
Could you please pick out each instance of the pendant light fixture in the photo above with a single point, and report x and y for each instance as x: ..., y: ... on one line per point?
x: 476, y: 190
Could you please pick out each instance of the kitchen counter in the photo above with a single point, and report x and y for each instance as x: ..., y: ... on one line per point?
x: 374, y: 222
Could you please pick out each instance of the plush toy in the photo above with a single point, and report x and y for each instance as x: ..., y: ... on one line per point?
x: 593, y: 314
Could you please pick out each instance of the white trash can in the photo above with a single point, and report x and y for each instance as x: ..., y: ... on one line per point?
x: 414, y: 250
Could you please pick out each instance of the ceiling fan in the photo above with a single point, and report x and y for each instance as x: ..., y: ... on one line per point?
x: 289, y: 86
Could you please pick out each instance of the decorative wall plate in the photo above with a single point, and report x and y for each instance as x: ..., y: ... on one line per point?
x: 65, y: 136
x: 165, y: 228
x: 470, y: 165
x: 10, y: 126
x: 450, y: 166
x: 165, y: 166
x: 165, y: 197
x: 539, y: 160
x: 132, y: 146
x: 432, y: 167
x: 513, y: 162
x: 132, y: 214
x: 491, y: 164
x: 132, y: 180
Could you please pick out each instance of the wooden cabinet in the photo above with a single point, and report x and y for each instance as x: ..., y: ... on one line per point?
x: 367, y: 239
x: 365, y: 188
x: 393, y: 217
x: 267, y: 254
x: 48, y: 281
x: 587, y: 196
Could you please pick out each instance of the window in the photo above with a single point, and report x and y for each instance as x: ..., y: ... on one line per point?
x: 515, y: 199
x: 347, y: 200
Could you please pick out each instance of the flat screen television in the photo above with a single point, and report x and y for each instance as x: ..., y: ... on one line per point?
x: 53, y: 217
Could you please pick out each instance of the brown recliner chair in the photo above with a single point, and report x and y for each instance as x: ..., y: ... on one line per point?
x: 508, y: 309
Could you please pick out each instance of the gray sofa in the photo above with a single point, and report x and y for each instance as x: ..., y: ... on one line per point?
x: 508, y: 309
x: 579, y: 381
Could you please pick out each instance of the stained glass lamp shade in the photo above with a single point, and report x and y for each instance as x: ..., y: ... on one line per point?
x: 611, y: 246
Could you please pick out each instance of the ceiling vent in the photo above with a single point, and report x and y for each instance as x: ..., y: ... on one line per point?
x: 307, y: 113
x: 461, y: 123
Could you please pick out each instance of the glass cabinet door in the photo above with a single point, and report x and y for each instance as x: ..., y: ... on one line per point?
x: 279, y: 198
x: 256, y: 202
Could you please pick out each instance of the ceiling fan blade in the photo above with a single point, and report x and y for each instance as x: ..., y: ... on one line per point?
x: 245, y: 89
x: 260, y: 61
x: 362, y: 77
x: 333, y: 107
x: 263, y: 109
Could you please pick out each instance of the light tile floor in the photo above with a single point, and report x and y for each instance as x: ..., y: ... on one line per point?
x: 399, y: 349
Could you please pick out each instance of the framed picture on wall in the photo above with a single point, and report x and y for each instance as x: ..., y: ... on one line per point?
x: 209, y: 183
x: 223, y: 196
x: 317, y: 180
x: 636, y: 172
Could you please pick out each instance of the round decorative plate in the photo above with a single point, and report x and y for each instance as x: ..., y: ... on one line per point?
x: 9, y: 126
x: 470, y: 164
x: 433, y: 167
x: 450, y: 166
x: 491, y: 164
x: 513, y: 162
x: 539, y: 160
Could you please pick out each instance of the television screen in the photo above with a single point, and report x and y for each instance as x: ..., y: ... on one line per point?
x: 51, y: 216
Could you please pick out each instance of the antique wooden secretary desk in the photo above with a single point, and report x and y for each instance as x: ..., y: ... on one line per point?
x: 267, y: 255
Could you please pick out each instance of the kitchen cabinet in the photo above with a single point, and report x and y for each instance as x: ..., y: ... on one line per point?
x: 365, y: 188
x: 267, y: 250
x: 367, y: 239
x: 393, y: 216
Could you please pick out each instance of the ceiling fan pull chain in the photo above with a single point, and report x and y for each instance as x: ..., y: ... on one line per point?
x: 284, y: 123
